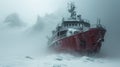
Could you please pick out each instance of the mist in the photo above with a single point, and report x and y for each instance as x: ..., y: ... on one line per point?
x: 27, y: 36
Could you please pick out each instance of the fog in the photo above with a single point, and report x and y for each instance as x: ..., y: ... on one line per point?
x: 28, y: 9
x: 37, y: 18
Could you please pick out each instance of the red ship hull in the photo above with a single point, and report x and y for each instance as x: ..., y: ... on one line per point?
x: 89, y: 41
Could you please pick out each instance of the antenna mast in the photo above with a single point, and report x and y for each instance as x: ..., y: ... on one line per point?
x: 98, y: 23
x: 71, y: 10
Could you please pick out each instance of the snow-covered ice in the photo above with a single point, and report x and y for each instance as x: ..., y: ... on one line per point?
x: 60, y: 60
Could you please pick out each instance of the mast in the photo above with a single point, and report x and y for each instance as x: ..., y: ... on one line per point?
x: 98, y: 23
x: 71, y: 10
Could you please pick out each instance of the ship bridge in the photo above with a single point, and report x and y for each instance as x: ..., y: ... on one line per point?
x: 75, y: 24
x: 74, y: 21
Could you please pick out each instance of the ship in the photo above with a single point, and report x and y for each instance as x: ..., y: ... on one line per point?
x: 75, y: 34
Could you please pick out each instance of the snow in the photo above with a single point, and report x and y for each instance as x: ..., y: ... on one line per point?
x: 71, y: 31
x: 61, y: 60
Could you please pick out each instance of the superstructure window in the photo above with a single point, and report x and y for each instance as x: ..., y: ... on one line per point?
x: 69, y: 24
x: 75, y: 24
x: 72, y: 24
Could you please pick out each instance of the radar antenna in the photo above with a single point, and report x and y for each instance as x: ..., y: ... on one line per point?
x: 71, y: 10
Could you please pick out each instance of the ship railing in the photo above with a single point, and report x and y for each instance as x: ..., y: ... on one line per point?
x: 55, y: 39
x: 95, y: 25
x: 70, y: 19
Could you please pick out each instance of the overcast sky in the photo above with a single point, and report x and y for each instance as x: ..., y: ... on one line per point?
x: 28, y: 9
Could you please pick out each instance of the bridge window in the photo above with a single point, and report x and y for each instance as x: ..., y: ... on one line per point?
x: 72, y: 24
x: 66, y: 25
x: 75, y: 24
